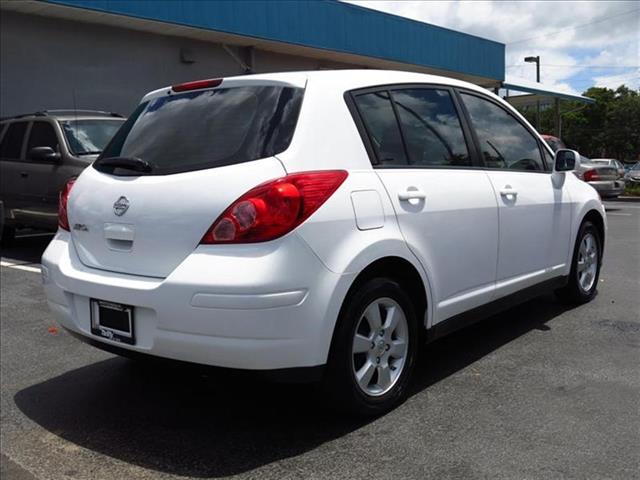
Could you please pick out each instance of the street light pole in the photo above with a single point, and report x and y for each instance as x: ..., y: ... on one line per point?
x: 536, y: 60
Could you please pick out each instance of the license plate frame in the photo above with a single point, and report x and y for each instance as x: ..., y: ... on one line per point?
x: 113, y: 321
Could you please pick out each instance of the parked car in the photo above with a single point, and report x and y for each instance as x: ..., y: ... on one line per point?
x: 604, y: 177
x: 231, y: 223
x: 633, y: 175
x: 39, y: 153
x: 611, y: 162
x: 554, y: 142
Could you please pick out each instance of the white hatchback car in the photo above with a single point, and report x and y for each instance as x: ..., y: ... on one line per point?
x: 320, y: 224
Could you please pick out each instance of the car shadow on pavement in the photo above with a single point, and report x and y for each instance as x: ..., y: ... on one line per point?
x: 28, y: 247
x: 181, y: 421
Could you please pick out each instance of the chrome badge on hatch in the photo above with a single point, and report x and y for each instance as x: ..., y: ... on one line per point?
x: 121, y: 206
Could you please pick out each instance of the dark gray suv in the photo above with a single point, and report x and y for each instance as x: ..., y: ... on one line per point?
x: 38, y: 153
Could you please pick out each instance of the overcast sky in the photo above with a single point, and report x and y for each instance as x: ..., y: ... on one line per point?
x: 581, y: 43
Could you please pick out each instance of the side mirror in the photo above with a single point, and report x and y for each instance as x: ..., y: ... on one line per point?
x: 43, y: 154
x: 566, y: 160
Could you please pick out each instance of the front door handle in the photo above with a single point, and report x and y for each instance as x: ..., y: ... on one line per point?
x: 24, y: 174
x: 411, y: 193
x: 507, y: 191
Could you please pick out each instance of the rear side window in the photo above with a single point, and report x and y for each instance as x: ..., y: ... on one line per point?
x: 11, y: 145
x: 210, y: 128
x: 42, y: 135
x: 431, y: 128
x: 380, y: 121
x: 504, y: 142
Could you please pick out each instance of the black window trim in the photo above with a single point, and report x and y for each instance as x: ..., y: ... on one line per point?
x: 349, y: 97
x: 459, y: 91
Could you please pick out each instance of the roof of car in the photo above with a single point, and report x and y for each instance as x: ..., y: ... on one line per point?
x: 66, y: 115
x: 343, y: 80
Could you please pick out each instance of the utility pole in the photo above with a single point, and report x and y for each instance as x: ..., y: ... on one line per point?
x: 536, y: 60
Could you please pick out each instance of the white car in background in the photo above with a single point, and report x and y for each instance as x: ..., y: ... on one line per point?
x: 318, y: 223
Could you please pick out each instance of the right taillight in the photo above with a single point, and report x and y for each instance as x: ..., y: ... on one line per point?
x: 590, y: 175
x: 63, y: 199
x: 274, y: 208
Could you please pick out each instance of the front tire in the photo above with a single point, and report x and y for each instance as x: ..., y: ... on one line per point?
x: 585, y: 266
x: 373, y: 350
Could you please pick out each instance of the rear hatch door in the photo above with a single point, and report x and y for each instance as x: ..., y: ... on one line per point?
x: 205, y: 148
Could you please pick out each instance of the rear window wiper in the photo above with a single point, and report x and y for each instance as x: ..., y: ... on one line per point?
x: 109, y: 164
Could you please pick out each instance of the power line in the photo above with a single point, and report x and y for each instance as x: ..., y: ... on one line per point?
x: 602, y: 19
x: 574, y: 66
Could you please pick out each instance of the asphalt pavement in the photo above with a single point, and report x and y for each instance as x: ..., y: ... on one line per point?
x: 538, y: 392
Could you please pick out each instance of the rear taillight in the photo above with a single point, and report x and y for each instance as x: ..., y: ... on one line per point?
x: 590, y: 175
x: 274, y: 208
x: 63, y: 199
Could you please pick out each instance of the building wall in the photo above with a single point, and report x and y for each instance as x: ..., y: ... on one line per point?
x: 48, y: 63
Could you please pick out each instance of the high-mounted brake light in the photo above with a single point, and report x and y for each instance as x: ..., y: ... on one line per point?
x: 274, y: 208
x: 63, y: 199
x: 590, y: 176
x: 197, y: 85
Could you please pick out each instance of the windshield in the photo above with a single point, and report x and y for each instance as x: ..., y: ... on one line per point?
x: 87, y: 137
x: 636, y: 167
x: 209, y: 128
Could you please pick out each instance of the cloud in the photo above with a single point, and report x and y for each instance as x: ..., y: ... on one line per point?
x: 581, y: 44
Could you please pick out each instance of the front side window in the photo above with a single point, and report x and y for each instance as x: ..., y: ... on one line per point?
x: 431, y: 128
x: 89, y: 137
x: 42, y: 135
x: 504, y: 142
x: 11, y: 145
x: 209, y: 128
x: 377, y: 114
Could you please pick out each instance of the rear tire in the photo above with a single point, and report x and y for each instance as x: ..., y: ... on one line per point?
x: 585, y: 267
x: 373, y: 350
x: 7, y: 231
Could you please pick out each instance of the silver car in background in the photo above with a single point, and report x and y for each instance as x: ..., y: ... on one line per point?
x: 633, y: 175
x: 610, y: 162
x: 603, y: 175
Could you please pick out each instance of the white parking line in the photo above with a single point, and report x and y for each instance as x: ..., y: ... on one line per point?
x: 618, y: 214
x: 17, y: 266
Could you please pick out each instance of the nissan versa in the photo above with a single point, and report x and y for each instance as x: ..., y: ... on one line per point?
x: 321, y: 223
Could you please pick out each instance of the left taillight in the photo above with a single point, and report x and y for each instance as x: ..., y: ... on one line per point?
x: 274, y: 208
x: 63, y: 199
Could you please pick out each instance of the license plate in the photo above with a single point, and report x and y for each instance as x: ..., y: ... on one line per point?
x: 113, y: 321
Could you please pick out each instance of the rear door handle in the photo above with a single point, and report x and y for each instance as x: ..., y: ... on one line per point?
x: 24, y: 174
x: 411, y: 193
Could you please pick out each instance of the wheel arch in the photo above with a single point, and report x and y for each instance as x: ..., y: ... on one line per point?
x: 407, y: 274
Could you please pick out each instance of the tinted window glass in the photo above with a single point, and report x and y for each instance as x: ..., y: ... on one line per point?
x: 210, y: 128
x: 42, y: 135
x: 431, y: 127
x: 12, y: 140
x: 87, y: 137
x: 377, y: 114
x: 504, y: 142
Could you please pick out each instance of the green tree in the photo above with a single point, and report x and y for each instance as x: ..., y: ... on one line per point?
x: 610, y: 127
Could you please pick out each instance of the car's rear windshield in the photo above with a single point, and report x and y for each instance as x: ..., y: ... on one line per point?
x: 89, y: 137
x: 209, y: 128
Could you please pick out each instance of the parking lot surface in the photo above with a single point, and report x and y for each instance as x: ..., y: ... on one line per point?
x: 539, y: 391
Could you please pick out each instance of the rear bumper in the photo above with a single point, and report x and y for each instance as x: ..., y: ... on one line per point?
x: 258, y: 307
x: 608, y: 188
